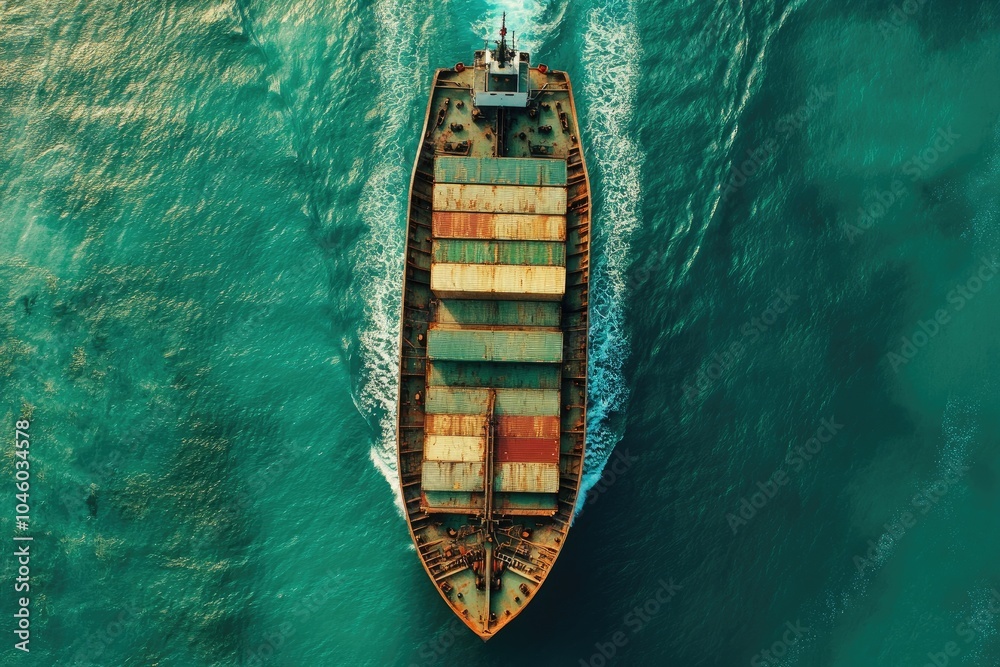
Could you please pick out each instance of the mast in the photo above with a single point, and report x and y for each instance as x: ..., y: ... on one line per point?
x: 488, y: 468
x: 502, y: 51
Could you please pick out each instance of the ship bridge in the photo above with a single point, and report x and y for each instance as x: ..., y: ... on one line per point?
x: 501, y: 74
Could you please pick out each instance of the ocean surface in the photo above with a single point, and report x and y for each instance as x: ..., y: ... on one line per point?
x: 794, y: 417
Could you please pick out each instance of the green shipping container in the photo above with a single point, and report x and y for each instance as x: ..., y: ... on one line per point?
x: 500, y: 171
x: 455, y: 501
x: 465, y: 401
x: 493, y: 374
x: 525, y: 503
x: 494, y: 345
x: 474, y: 251
x: 499, y: 313
x: 452, y: 476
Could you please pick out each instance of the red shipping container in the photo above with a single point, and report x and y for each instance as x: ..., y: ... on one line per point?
x: 527, y: 450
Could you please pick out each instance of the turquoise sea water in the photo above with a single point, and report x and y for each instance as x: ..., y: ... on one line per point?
x: 794, y: 354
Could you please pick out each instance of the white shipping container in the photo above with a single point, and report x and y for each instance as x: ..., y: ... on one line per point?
x: 454, y: 448
x: 498, y: 281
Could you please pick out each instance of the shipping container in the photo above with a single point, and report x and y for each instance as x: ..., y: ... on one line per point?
x: 457, y: 424
x: 516, y: 283
x: 499, y: 171
x: 527, y: 450
x: 494, y: 374
x: 499, y: 313
x: 499, y: 199
x: 452, y: 476
x: 535, y: 346
x: 527, y: 427
x: 477, y: 251
x: 500, y: 226
x: 457, y: 502
x: 463, y: 401
x: 527, y: 477
x: 538, y: 504
x: 507, y: 426
x: 456, y: 448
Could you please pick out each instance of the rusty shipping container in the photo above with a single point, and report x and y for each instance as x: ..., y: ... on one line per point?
x: 527, y: 450
x: 491, y: 432
x: 475, y: 251
x: 455, y: 424
x: 505, y: 374
x: 527, y: 427
x: 499, y: 199
x: 489, y: 312
x: 519, y: 402
x: 528, y: 477
x: 452, y: 476
x: 499, y: 226
x: 499, y: 171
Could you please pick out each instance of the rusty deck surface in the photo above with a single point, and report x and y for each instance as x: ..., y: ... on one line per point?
x: 490, y: 480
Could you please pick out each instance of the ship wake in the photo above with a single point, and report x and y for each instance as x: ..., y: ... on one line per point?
x: 383, y: 209
x: 611, y: 53
x: 535, y: 21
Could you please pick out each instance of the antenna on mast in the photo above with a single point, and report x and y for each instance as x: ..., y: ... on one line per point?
x: 502, y: 43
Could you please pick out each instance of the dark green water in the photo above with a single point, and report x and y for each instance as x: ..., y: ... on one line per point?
x: 794, y: 355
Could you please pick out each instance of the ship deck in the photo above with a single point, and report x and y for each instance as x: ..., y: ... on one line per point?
x: 496, y: 524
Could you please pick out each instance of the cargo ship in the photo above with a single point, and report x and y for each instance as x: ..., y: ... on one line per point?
x: 493, y: 351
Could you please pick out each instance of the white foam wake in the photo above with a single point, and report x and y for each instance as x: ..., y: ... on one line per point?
x: 610, y: 59
x: 534, y: 21
x: 383, y: 209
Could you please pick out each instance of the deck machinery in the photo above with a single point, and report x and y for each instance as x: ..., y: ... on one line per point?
x: 493, y: 351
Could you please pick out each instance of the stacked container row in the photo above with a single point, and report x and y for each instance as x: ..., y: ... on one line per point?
x: 499, y: 199
x: 499, y: 171
x: 492, y: 374
x: 498, y: 281
x: 474, y: 251
x: 534, y: 346
x: 501, y: 226
x: 463, y: 401
x: 499, y: 313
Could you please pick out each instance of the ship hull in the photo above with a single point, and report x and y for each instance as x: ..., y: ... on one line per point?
x: 493, y: 345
